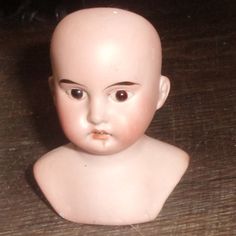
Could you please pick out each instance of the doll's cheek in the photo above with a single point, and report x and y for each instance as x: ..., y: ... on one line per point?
x: 71, y: 120
x: 140, y: 121
x: 73, y: 123
x: 133, y: 129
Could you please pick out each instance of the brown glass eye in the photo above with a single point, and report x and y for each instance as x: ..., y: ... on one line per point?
x: 121, y: 95
x: 77, y: 93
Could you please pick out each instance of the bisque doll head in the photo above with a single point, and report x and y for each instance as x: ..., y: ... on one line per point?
x: 106, y: 81
x: 107, y: 86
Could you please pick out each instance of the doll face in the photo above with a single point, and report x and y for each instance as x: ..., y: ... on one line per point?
x: 105, y: 88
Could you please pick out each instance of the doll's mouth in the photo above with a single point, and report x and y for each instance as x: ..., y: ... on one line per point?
x: 100, y: 134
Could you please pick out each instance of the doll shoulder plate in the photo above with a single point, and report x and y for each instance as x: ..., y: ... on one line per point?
x: 167, y: 157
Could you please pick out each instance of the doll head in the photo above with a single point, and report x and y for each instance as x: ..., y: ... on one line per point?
x: 106, y: 81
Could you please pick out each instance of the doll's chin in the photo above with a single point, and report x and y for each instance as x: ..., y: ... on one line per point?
x: 109, y: 146
x: 105, y: 152
x: 100, y: 150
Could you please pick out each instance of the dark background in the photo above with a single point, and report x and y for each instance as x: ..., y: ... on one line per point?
x: 198, y: 39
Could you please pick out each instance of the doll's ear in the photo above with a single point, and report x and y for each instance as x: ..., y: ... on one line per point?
x: 164, y: 88
x: 52, y: 86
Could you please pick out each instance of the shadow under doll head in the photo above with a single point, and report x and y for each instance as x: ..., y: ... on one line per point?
x: 106, y: 81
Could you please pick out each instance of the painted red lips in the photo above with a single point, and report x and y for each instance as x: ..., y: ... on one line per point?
x: 100, y: 134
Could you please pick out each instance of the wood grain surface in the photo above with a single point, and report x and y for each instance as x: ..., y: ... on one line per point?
x: 199, y: 52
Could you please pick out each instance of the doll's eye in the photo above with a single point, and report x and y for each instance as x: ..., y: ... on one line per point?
x: 77, y: 93
x: 120, y: 95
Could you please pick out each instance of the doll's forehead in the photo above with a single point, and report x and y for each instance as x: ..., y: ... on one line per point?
x: 105, y: 42
x: 96, y: 27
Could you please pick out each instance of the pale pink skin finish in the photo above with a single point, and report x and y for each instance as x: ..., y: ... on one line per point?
x: 107, y: 85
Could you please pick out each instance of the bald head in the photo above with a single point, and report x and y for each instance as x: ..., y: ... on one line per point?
x: 105, y: 37
x: 99, y: 57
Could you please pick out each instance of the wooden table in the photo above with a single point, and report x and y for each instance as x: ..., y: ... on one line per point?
x: 199, y: 49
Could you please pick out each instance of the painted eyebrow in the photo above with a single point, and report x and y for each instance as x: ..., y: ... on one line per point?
x: 67, y: 81
x: 124, y: 83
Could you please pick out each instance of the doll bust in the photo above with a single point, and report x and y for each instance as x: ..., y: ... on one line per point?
x: 107, y: 85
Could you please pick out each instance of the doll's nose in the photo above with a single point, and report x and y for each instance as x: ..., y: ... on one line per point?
x: 96, y: 114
